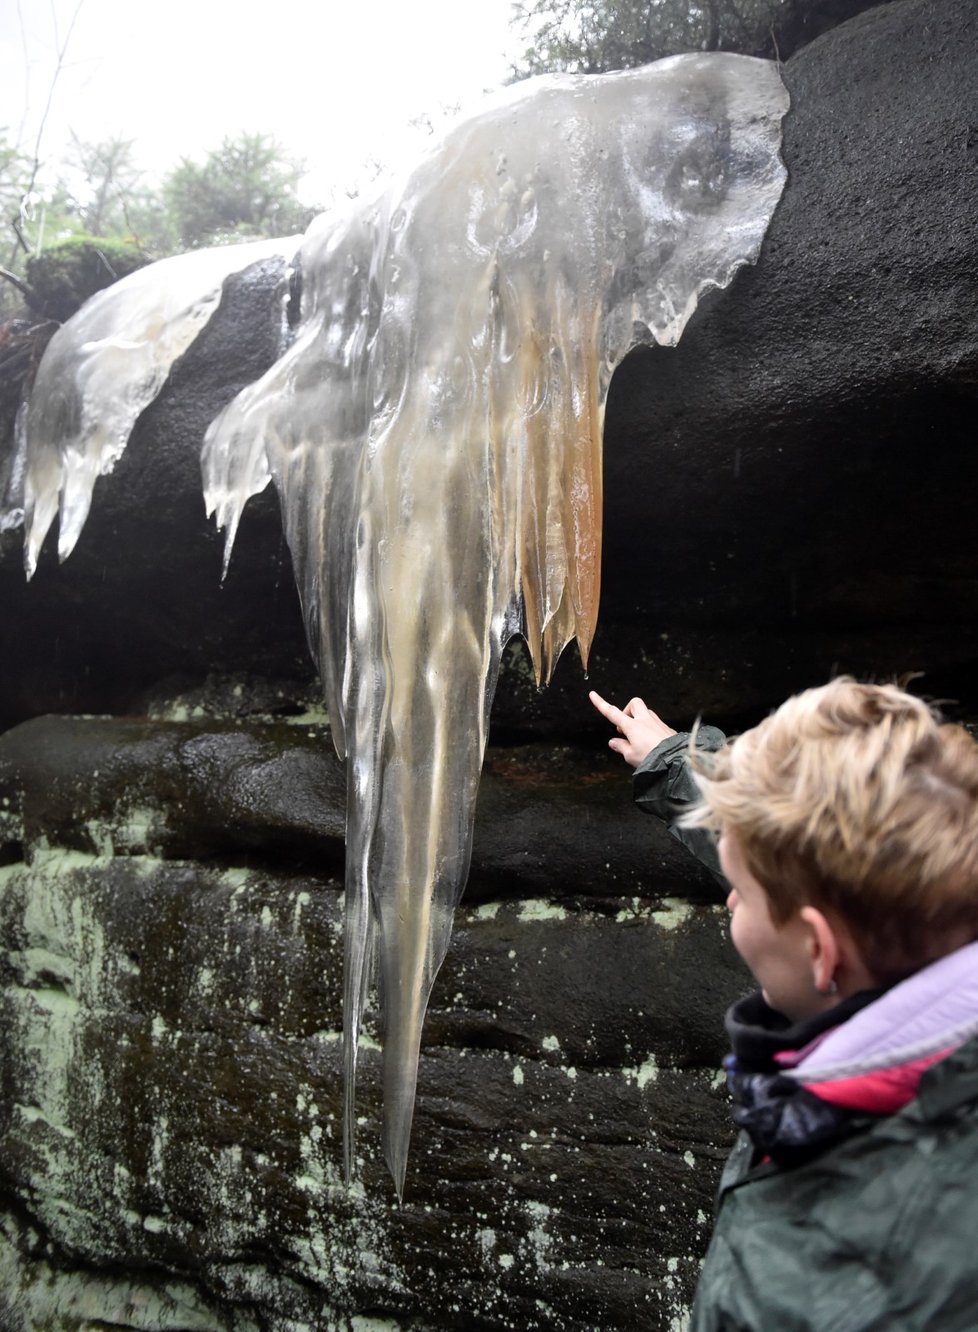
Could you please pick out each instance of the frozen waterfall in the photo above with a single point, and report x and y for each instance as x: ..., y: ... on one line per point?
x: 434, y: 432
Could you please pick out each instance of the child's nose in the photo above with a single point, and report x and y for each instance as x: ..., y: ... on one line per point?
x: 732, y: 899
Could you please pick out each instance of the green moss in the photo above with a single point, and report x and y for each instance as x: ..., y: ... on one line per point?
x: 66, y: 275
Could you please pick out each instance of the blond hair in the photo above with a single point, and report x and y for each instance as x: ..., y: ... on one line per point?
x: 857, y: 799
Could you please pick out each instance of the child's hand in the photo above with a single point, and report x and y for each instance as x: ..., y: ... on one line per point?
x: 640, y: 729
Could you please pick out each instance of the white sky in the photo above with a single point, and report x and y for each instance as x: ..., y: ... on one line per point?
x: 335, y: 81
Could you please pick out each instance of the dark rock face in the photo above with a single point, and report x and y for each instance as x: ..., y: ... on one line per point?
x: 171, y: 987
x: 786, y: 485
x: 787, y: 495
x: 799, y: 22
x: 783, y: 489
x: 797, y: 463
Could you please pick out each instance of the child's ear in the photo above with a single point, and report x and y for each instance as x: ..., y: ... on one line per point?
x: 824, y: 949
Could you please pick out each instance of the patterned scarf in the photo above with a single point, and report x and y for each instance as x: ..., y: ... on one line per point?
x: 798, y: 1087
x: 787, y: 1122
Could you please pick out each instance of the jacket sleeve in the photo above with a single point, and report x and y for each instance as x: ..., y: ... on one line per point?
x: 663, y: 784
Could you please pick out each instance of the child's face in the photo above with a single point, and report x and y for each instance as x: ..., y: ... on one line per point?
x: 778, y: 955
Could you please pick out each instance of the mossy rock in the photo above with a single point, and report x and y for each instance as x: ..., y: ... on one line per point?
x: 63, y: 278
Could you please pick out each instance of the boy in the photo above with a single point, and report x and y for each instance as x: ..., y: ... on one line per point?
x: 848, y: 834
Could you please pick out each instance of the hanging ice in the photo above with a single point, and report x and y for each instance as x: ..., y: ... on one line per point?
x: 434, y: 432
x: 102, y: 368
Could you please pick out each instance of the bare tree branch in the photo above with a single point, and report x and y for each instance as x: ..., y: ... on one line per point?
x: 61, y: 51
x: 15, y: 281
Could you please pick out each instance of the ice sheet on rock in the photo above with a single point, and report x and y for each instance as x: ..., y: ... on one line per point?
x: 103, y: 367
x: 435, y: 436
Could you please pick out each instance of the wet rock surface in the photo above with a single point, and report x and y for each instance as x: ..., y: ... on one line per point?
x: 784, y: 489
x: 552, y: 819
x: 793, y: 471
x: 788, y: 495
x: 171, y: 981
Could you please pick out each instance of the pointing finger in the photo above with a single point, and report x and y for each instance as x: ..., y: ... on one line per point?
x: 607, y: 710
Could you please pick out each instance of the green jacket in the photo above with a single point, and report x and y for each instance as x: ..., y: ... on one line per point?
x: 663, y: 784
x: 877, y: 1234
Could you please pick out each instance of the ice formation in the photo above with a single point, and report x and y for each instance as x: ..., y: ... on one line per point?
x: 434, y: 432
x: 101, y: 369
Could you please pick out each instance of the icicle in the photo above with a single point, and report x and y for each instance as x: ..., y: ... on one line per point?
x: 102, y: 368
x: 434, y: 432
x: 435, y: 435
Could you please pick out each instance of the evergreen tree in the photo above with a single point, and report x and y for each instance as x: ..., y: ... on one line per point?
x: 595, y: 36
x: 247, y: 187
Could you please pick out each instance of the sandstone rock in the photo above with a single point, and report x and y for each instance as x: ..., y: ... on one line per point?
x: 170, y: 1118
x: 552, y: 820
x: 787, y: 495
x: 788, y: 488
x: 786, y: 491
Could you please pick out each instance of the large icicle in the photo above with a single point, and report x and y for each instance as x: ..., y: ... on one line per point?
x: 434, y: 431
x: 435, y: 436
